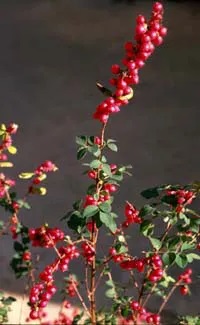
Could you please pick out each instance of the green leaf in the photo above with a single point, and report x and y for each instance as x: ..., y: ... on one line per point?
x: 77, y: 318
x: 95, y: 150
x: 170, y: 199
x: 150, y: 193
x: 95, y: 164
x: 90, y: 211
x: 76, y: 222
x: 81, y: 153
x: 111, y: 140
x: 26, y: 175
x: 146, y: 228
x: 182, y: 216
x: 181, y: 260
x: 77, y: 205
x: 187, y: 246
x: 108, y: 221
x: 23, y: 204
x: 9, y: 300
x: 18, y: 246
x: 169, y: 258
x: 125, y: 311
x: 156, y: 243
x: 112, y: 146
x: 81, y: 140
x: 110, y: 283
x: 106, y: 169
x: 120, y: 248
x: 147, y: 209
x: 105, y: 207
x: 117, y: 177
x: 110, y: 293
x: 172, y: 243
x: 192, y: 256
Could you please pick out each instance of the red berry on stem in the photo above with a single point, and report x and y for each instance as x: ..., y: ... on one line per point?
x: 183, y: 290
x: 115, y: 69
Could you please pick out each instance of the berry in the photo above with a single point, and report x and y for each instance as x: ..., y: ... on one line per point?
x: 183, y: 290
x: 115, y: 69
x: 26, y: 256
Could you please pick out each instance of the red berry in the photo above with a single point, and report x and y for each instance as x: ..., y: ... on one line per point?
x: 140, y: 19
x: 26, y: 256
x: 115, y: 69
x: 34, y: 314
x: 163, y: 31
x: 134, y: 305
x: 183, y: 290
x: 121, y: 84
x: 157, y: 7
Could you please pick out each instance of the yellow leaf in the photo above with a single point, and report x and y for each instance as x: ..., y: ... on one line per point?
x: 42, y: 177
x: 12, y: 150
x: 43, y: 190
x: 26, y: 175
x: 127, y: 97
x: 2, y: 129
x: 6, y: 164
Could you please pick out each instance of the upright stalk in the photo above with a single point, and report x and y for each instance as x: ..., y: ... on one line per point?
x: 93, y: 239
x: 92, y: 281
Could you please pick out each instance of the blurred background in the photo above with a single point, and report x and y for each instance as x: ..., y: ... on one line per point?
x: 52, y: 53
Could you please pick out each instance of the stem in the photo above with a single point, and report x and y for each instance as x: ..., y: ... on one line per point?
x: 131, y: 272
x: 149, y: 295
x: 105, y: 263
x: 167, y: 230
x: 169, y: 227
x: 93, y: 240
x: 169, y: 296
x: 92, y: 281
x: 102, y: 134
x: 81, y: 299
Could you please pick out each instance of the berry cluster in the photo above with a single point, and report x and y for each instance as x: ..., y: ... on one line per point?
x: 185, y: 279
x: 5, y: 184
x: 40, y: 295
x: 143, y: 315
x: 104, y: 195
x: 88, y: 252
x: 67, y: 253
x: 39, y: 175
x: 6, y: 133
x: 42, y: 292
x: 183, y: 198
x: 131, y: 214
x: 45, y: 167
x: 147, y: 36
x: 155, y: 263
x: 138, y: 264
x: 45, y: 237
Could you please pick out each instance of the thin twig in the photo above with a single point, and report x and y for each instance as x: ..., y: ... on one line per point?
x: 169, y: 295
x: 81, y: 298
